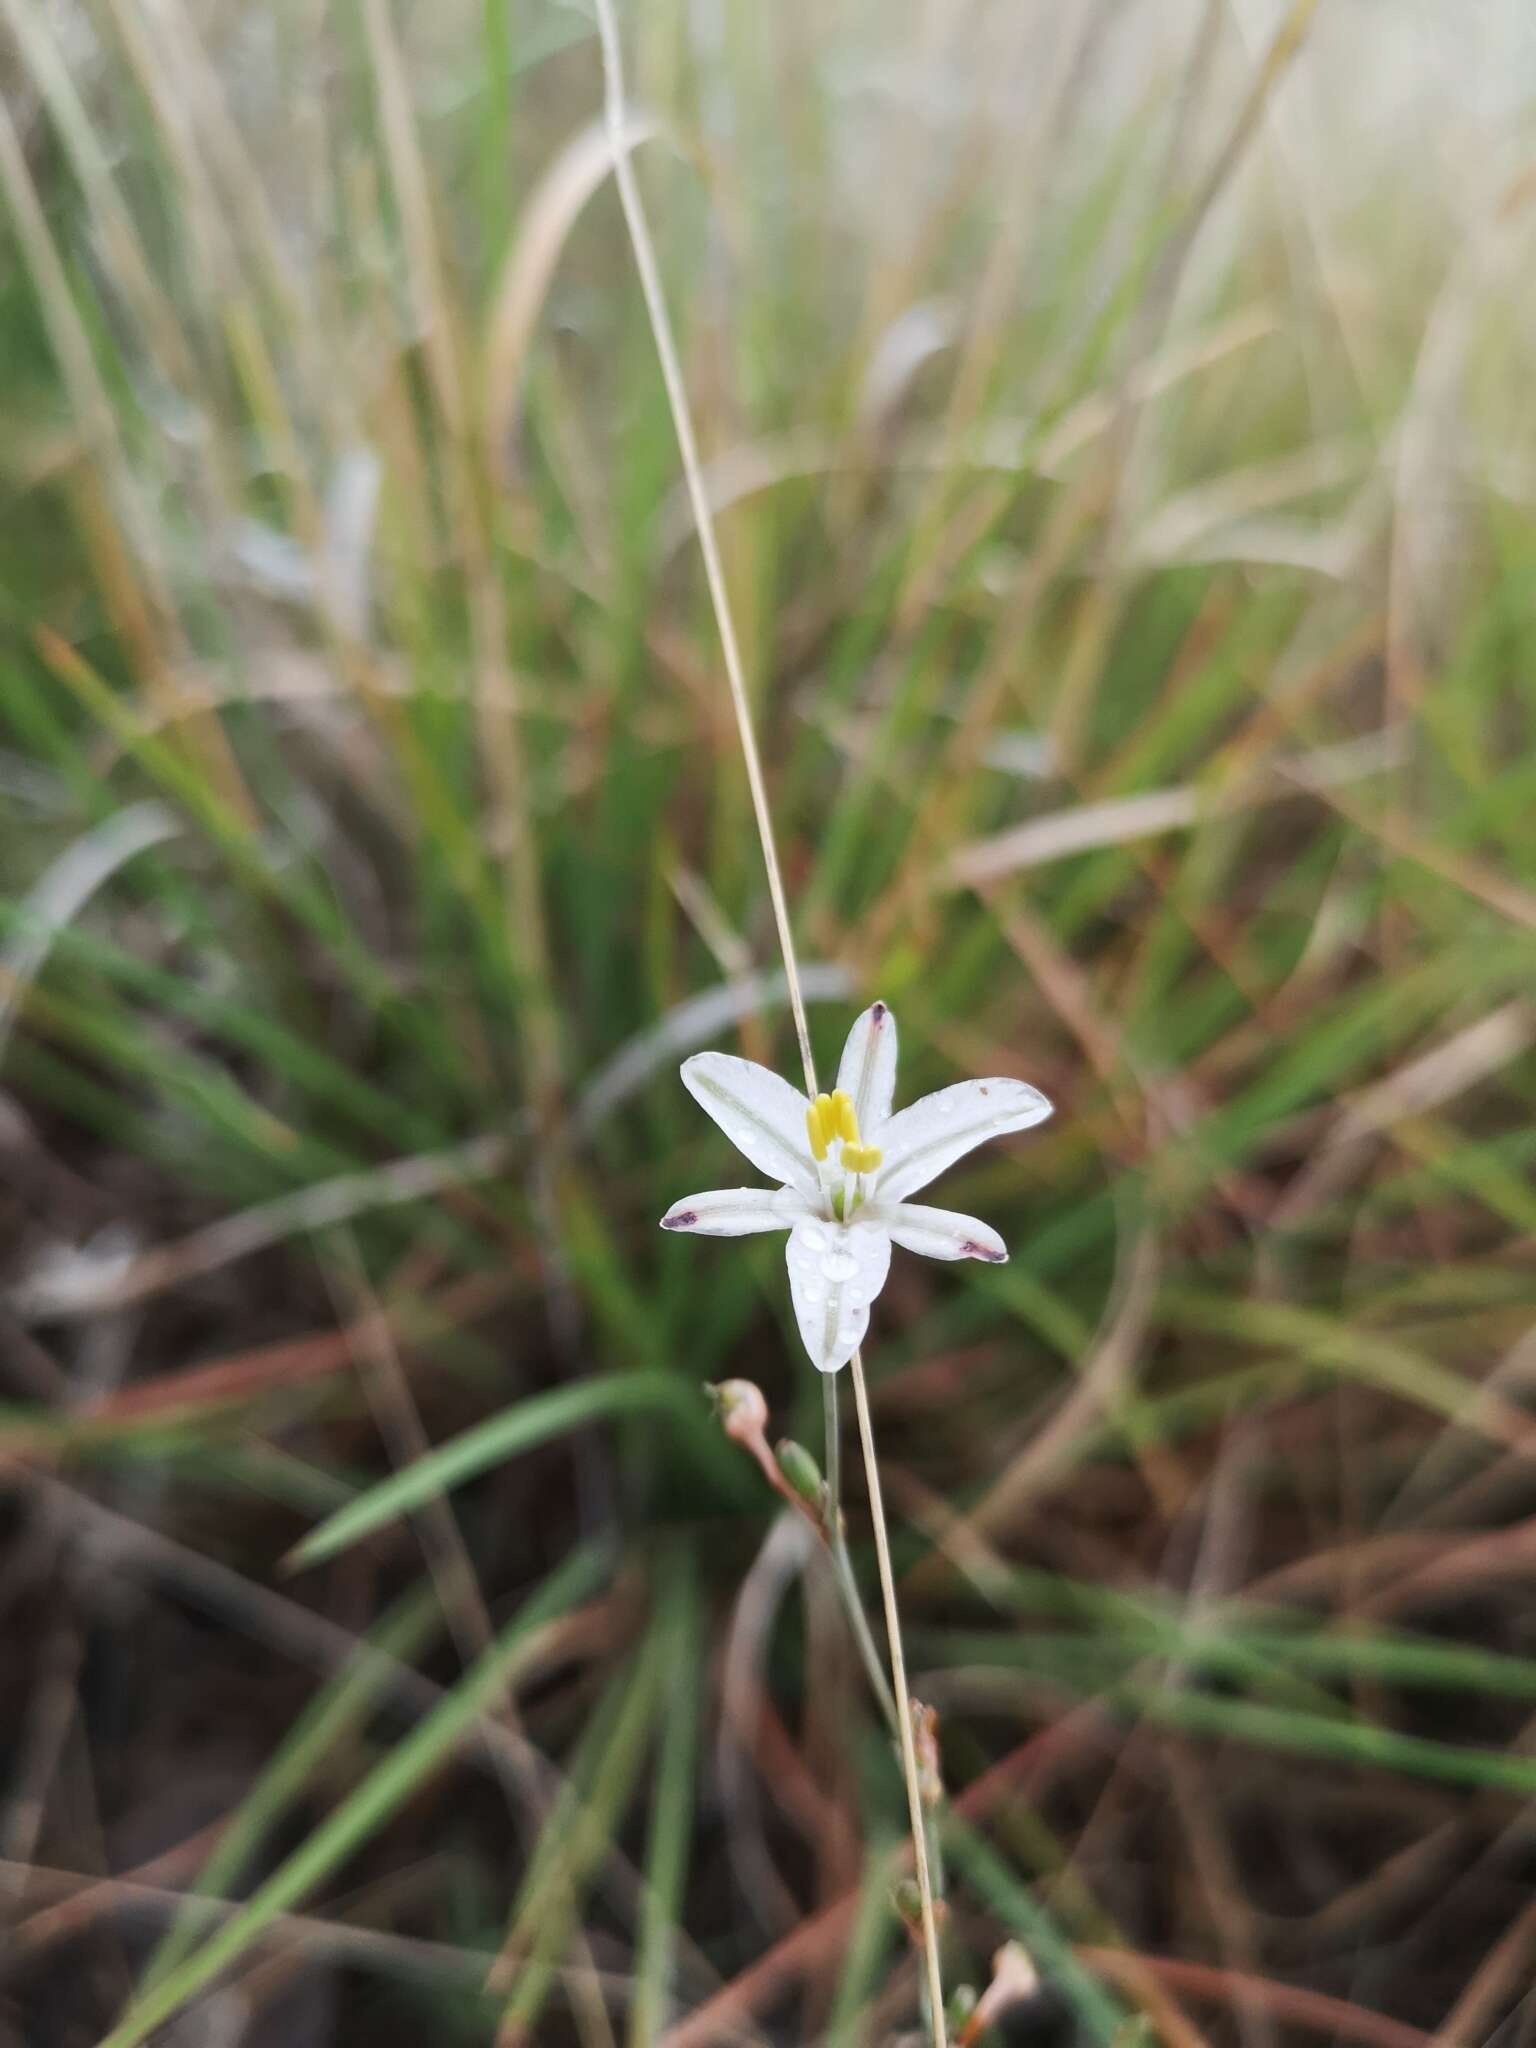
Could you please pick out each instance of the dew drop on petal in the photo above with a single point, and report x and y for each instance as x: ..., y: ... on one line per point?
x: 839, y: 1266
x: 812, y: 1234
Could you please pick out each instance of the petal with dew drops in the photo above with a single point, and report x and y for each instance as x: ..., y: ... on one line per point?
x: 920, y: 1141
x: 762, y: 1115
x: 941, y: 1233
x: 736, y: 1212
x: 835, y: 1272
x: 867, y: 1071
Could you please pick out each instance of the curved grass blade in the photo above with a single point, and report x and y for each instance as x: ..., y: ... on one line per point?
x: 328, y: 1720
x: 1100, y: 2016
x: 475, y: 1450
x: 366, y: 1808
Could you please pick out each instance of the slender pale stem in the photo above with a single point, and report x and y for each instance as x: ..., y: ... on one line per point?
x: 903, y: 1705
x: 842, y: 1564
x: 834, y: 1453
x: 703, y: 519
x: 858, y: 1622
x: 682, y: 424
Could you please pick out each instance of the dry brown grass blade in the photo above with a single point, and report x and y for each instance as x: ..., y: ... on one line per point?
x: 1334, y: 2018
x: 1106, y: 1374
x: 1475, y: 1053
x: 106, y: 498
x: 76, y: 1901
x: 1471, y: 2022
x: 1104, y: 605
x: 509, y: 828
x: 544, y: 226
x: 297, y: 1361
x: 1120, y: 821
x: 448, y: 1560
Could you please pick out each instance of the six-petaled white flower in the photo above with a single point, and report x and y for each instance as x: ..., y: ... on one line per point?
x: 845, y: 1166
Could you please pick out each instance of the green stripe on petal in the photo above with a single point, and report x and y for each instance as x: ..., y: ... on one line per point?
x: 919, y: 1142
x: 835, y: 1272
x: 762, y: 1115
x: 867, y: 1071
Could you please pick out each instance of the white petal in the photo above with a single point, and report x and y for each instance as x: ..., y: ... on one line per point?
x: 867, y: 1070
x: 835, y: 1272
x: 919, y: 1142
x: 763, y: 1117
x: 735, y: 1212
x: 940, y: 1233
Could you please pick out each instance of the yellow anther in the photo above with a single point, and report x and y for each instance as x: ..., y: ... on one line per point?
x: 847, y: 1124
x: 820, y: 1125
x: 861, y: 1158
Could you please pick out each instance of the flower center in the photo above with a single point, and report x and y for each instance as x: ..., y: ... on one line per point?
x: 832, y: 1120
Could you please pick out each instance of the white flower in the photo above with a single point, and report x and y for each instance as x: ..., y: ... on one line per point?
x: 845, y: 1166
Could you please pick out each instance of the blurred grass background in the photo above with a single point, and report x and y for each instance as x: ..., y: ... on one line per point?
x: 1120, y: 424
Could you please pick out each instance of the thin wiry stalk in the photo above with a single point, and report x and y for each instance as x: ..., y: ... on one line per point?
x: 833, y: 1461
x: 682, y: 422
x: 666, y: 350
x: 842, y: 1564
x: 863, y: 1637
x: 903, y: 1705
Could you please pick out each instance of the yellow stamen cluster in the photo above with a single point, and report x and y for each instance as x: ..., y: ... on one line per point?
x: 834, y: 1116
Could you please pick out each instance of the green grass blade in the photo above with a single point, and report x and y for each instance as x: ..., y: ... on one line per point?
x: 1099, y: 2014
x: 531, y: 1422
x: 328, y: 1720
x: 367, y: 1808
x: 666, y: 1862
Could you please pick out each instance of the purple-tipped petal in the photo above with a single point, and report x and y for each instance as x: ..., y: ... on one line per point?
x: 941, y: 1233
x: 735, y: 1212
x: 867, y: 1070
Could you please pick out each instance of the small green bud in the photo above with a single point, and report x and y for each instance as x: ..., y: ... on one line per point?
x: 908, y: 1901
x: 959, y: 2006
x: 801, y: 1470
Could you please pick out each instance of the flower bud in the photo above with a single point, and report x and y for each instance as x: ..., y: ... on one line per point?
x: 801, y: 1470
x: 908, y: 1901
x: 1015, y: 1980
x: 925, y: 1742
x: 958, y: 2008
x: 741, y: 1408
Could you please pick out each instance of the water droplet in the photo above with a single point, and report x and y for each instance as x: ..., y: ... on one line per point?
x: 838, y: 1266
x: 813, y: 1291
x: 945, y: 1104
x: 812, y: 1234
